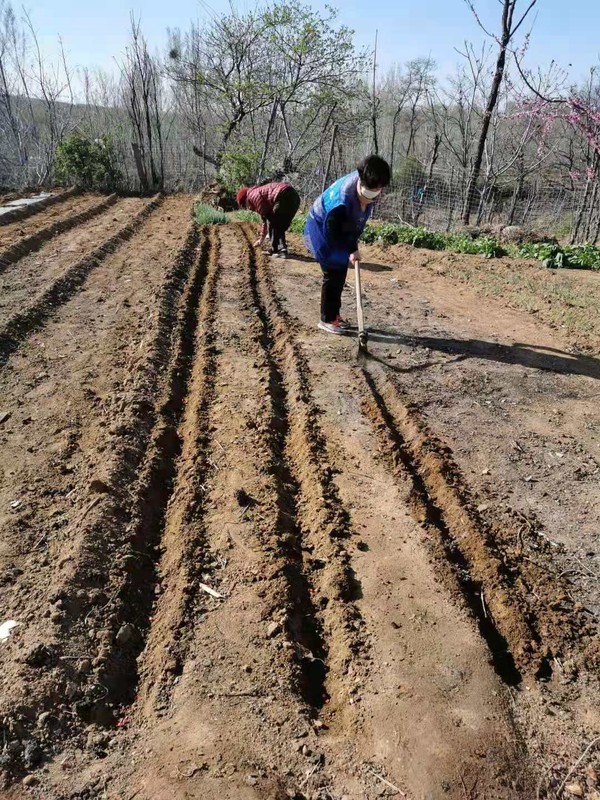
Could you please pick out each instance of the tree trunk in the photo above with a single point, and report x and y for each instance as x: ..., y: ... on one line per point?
x: 263, y: 158
x: 507, y: 33
x: 374, y: 101
x: 140, y: 166
x: 437, y: 140
x: 330, y: 159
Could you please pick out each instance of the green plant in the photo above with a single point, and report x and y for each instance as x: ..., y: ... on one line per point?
x: 89, y: 164
x: 207, y: 215
x: 553, y: 256
x: 239, y: 167
x: 483, y: 246
x: 585, y: 256
x: 243, y: 215
x: 298, y: 224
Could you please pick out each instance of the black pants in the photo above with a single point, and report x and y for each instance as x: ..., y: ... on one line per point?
x: 284, y: 211
x: 331, y: 292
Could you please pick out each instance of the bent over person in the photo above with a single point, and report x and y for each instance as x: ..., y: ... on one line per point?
x: 277, y: 204
x: 333, y: 228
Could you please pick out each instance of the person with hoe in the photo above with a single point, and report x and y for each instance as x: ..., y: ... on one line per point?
x: 277, y: 204
x: 333, y: 228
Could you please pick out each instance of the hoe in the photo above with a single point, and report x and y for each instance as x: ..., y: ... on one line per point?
x: 362, y: 334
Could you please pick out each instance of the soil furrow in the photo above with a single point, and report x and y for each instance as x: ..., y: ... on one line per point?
x: 23, y: 212
x: 523, y: 636
x: 322, y: 518
x: 18, y: 327
x: 94, y: 552
x: 231, y: 525
x: 303, y: 623
x: 129, y: 579
x: 31, y: 243
x: 176, y: 522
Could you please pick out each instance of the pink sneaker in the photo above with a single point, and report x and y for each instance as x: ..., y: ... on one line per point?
x: 342, y: 323
x: 331, y: 327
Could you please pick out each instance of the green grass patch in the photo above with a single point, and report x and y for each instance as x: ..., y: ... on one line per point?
x: 298, y: 223
x: 207, y: 215
x: 243, y: 215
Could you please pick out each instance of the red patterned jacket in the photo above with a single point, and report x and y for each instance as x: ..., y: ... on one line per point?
x: 262, y: 199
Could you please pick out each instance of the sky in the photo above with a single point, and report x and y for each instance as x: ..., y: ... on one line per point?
x: 94, y: 33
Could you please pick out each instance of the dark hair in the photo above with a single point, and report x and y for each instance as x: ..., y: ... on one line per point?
x: 374, y: 172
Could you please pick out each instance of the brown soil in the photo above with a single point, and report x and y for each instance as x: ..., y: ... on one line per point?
x: 246, y: 564
x: 14, y: 232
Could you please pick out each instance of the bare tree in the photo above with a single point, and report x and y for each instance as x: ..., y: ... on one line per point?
x: 510, y: 25
x: 142, y: 97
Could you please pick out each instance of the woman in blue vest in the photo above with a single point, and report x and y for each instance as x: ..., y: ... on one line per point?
x: 333, y: 228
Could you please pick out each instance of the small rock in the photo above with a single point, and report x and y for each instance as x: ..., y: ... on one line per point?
x: 246, y: 668
x: 30, y: 780
x: 125, y: 633
x: 483, y: 507
x: 32, y: 754
x: 574, y: 789
x: 44, y: 717
x: 4, y: 416
x: 192, y: 769
x: 273, y: 629
x: 56, y: 616
x: 84, y: 666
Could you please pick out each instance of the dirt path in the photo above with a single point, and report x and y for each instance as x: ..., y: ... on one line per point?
x: 245, y: 565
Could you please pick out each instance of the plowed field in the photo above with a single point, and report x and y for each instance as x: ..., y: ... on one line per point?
x: 245, y: 563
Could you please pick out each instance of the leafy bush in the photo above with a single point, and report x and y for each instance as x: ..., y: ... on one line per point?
x: 87, y: 164
x: 239, y: 168
x: 207, y: 215
x: 584, y: 256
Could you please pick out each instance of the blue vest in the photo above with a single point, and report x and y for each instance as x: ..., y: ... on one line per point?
x: 342, y: 193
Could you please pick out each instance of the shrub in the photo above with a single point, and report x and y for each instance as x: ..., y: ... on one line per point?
x: 239, y: 168
x: 87, y: 164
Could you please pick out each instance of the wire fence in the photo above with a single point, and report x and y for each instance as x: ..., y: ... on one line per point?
x: 430, y: 198
x: 438, y: 200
